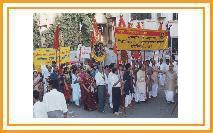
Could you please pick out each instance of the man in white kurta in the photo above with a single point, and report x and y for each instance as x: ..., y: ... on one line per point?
x: 170, y: 84
x: 140, y: 90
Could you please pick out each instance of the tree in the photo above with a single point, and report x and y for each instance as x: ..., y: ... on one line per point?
x: 70, y: 29
x: 36, y: 32
x: 86, y: 20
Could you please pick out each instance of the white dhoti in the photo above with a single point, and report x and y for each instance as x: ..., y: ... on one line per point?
x: 140, y: 97
x: 140, y: 92
x: 154, y: 91
x: 169, y: 96
x: 128, y: 99
x: 76, y: 93
x: 131, y: 98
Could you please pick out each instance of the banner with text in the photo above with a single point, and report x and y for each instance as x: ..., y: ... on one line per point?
x: 141, y: 39
x: 45, y: 56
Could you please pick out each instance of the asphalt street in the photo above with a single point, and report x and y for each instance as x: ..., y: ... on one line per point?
x: 155, y: 108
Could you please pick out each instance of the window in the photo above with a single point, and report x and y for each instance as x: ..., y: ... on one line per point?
x: 158, y: 15
x: 112, y: 22
x: 175, y: 43
x: 141, y: 16
x: 101, y: 28
x: 175, y: 16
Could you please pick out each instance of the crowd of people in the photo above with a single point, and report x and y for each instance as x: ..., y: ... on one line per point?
x: 93, y: 86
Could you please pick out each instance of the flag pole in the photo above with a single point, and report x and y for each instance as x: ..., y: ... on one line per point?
x: 56, y: 42
x: 59, y: 57
x: 59, y: 46
x: 56, y: 53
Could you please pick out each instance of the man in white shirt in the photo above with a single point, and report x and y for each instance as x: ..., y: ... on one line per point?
x: 116, y: 91
x: 39, y: 108
x: 55, y: 103
x: 101, y: 84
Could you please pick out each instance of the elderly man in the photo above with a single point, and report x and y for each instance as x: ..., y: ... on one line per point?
x: 170, y: 84
x: 101, y: 84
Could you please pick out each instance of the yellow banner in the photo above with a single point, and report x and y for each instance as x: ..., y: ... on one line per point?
x: 47, y: 55
x: 139, y: 39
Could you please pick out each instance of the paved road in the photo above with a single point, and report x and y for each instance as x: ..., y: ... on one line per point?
x: 155, y: 108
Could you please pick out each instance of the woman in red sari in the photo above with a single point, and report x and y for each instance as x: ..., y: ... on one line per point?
x: 88, y: 92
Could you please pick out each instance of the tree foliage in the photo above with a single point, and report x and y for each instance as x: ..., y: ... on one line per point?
x: 36, y: 32
x: 70, y: 29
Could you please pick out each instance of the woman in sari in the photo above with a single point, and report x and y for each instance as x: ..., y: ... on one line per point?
x: 88, y: 92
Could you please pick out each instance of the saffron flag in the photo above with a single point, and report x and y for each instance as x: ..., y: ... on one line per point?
x: 56, y: 38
